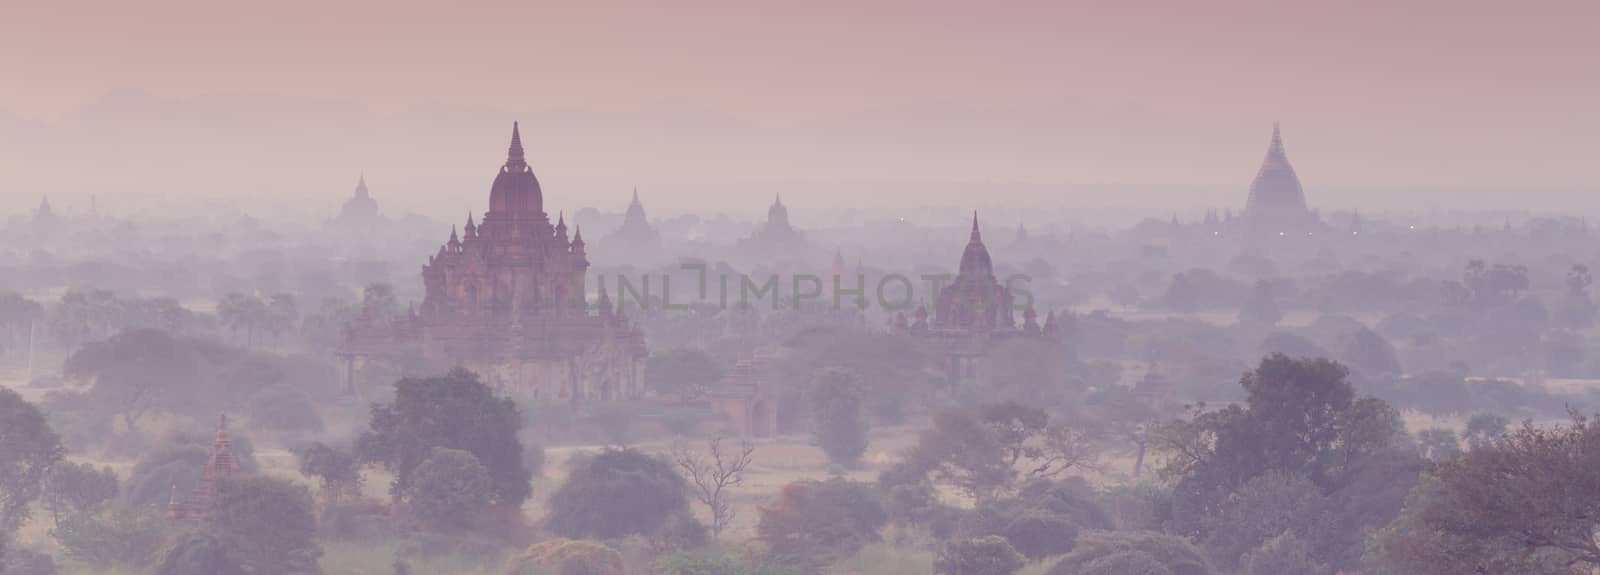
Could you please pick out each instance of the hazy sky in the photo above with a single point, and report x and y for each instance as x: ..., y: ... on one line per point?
x: 714, y: 104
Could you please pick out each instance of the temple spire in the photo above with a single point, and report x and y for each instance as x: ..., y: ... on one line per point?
x: 636, y: 194
x: 514, y: 157
x: 975, y: 236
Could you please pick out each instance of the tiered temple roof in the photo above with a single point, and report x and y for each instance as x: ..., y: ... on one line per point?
x: 221, y: 464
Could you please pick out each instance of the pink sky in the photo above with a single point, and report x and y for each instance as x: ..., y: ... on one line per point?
x: 1428, y: 94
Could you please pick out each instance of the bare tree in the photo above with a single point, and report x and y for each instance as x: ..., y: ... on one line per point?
x: 714, y: 475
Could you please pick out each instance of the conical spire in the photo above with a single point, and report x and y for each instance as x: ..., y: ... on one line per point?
x: 976, y: 237
x: 514, y: 157
x: 636, y: 194
x: 361, y: 186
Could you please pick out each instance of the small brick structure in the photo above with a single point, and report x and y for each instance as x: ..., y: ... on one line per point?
x: 221, y: 464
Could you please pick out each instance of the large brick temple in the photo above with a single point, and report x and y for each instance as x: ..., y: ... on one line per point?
x: 506, y: 299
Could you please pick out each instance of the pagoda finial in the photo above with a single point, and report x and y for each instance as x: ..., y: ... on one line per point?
x: 577, y: 239
x: 1277, y: 139
x: 636, y: 194
x: 222, y: 423
x: 453, y: 239
x: 514, y: 156
x: 975, y: 235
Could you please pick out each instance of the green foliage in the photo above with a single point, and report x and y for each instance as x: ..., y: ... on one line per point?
x: 139, y: 370
x: 78, y: 488
x: 814, y: 522
x: 568, y: 557
x: 1282, y: 555
x: 125, y: 537
x: 455, y: 411
x: 267, y: 524
x: 1041, y: 521
x: 838, y: 422
x: 175, y: 463
x: 449, y: 489
x: 281, y: 409
x: 1370, y: 354
x: 27, y: 562
x: 1261, y: 306
x: 1524, y: 504
x: 1301, y: 419
x: 617, y: 493
x: 30, y: 449
x: 337, y: 469
x: 1438, y: 443
x: 1484, y: 429
x: 980, y: 556
x: 1124, y: 563
x: 1127, y: 549
x: 1263, y: 508
x: 197, y: 553
x: 680, y: 372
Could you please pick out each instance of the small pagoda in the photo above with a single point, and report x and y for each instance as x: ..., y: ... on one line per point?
x: 221, y: 464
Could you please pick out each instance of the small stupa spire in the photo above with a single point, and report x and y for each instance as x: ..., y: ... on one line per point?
x: 514, y: 156
x: 976, y: 237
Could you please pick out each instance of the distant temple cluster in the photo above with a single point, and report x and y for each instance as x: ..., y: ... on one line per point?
x: 972, y: 312
x: 777, y: 234
x: 506, y: 299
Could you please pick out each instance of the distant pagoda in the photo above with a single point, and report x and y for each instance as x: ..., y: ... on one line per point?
x: 778, y: 233
x: 360, y: 210
x: 1276, y: 198
x: 221, y: 464
x: 636, y: 230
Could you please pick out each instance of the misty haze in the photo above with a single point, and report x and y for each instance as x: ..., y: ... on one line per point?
x: 828, y: 288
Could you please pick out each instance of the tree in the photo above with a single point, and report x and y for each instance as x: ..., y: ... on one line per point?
x: 980, y: 556
x: 379, y: 303
x: 1484, y: 429
x: 617, y: 493
x: 1519, y: 505
x: 138, y: 370
x: 1282, y: 555
x: 77, y: 488
x: 838, y: 422
x: 1261, y: 306
x: 241, y: 312
x: 125, y: 537
x: 980, y: 451
x: 283, y: 409
x: 455, y: 411
x: 1438, y: 443
x: 681, y: 372
x: 1577, y: 308
x: 1260, y: 510
x: 1370, y: 354
x: 198, y: 554
x: 281, y: 314
x: 30, y: 449
x: 711, y: 477
x: 1118, y: 553
x: 267, y: 525
x: 815, y: 522
x: 337, y: 470
x: 1301, y: 419
x: 449, y: 489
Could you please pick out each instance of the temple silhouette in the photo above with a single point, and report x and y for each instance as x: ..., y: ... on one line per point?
x: 506, y: 299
